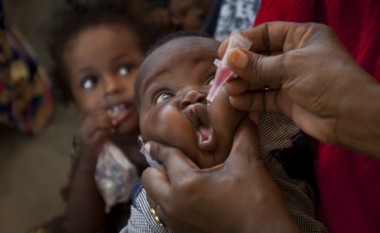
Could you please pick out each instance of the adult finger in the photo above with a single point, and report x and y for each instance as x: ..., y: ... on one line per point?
x: 257, y: 101
x: 155, y: 180
x: 267, y: 63
x: 245, y: 146
x: 277, y: 37
x: 267, y: 38
x: 174, y: 160
x: 157, y: 187
x: 260, y: 71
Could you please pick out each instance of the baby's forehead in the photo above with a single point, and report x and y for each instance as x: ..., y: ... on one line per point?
x: 183, y: 45
x: 177, y: 51
x: 189, y: 42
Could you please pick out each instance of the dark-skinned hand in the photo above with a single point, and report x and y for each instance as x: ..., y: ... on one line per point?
x: 312, y: 79
x: 236, y: 196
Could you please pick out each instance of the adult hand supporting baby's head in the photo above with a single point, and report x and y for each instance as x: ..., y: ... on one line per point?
x: 236, y: 196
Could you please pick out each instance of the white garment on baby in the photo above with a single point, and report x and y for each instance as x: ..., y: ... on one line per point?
x: 115, y: 176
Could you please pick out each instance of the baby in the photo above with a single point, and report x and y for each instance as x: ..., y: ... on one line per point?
x: 171, y: 89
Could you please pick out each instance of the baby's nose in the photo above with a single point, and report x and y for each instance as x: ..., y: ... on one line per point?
x: 193, y: 97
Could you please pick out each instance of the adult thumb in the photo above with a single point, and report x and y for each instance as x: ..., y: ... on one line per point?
x: 259, y: 70
x: 245, y: 147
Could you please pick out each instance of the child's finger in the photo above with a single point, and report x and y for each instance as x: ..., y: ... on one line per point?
x: 95, y: 128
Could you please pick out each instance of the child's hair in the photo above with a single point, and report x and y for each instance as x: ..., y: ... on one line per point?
x: 74, y: 17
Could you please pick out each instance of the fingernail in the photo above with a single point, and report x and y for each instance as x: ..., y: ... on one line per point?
x: 147, y: 147
x: 238, y: 58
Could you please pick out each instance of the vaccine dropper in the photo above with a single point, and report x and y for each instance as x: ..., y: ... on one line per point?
x: 223, y: 72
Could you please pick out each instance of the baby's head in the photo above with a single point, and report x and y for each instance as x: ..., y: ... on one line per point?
x: 96, y: 52
x: 171, y: 89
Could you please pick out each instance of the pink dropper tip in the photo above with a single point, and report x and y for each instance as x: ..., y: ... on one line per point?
x: 223, y: 73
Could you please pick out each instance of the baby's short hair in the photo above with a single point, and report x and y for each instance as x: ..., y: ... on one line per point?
x: 161, y: 41
x: 175, y: 35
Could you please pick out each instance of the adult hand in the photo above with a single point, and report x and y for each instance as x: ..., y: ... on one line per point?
x: 313, y: 80
x: 237, y: 196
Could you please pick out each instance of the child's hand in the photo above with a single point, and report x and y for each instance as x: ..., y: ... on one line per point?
x: 95, y: 128
x: 84, y: 198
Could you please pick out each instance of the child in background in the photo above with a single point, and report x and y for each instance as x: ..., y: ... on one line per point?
x: 190, y: 15
x: 96, y: 51
x: 171, y: 89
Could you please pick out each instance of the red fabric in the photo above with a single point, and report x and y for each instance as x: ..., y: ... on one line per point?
x: 349, y: 183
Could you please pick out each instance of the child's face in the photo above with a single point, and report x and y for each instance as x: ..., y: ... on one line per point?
x: 172, y: 87
x: 189, y: 14
x: 102, y: 62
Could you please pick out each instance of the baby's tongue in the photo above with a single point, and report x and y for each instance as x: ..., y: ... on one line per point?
x: 206, y: 141
x: 204, y: 133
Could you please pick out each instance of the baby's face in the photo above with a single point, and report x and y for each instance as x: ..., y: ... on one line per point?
x: 102, y: 63
x: 171, y: 91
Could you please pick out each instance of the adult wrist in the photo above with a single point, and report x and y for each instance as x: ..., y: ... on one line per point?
x: 359, y: 127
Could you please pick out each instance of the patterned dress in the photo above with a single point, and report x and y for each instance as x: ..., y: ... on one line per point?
x: 116, y: 218
x: 26, y: 101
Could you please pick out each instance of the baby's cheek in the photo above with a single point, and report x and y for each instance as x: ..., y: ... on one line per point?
x: 164, y: 125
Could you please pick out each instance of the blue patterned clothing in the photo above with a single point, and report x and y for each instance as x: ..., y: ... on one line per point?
x: 227, y: 16
x: 235, y: 15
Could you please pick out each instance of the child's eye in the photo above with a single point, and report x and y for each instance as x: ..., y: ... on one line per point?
x: 89, y: 82
x: 162, y: 97
x: 123, y: 70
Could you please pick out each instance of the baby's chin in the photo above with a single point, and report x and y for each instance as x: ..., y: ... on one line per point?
x: 214, y: 155
x: 210, y: 159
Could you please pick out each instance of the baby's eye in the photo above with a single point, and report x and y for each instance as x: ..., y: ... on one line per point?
x: 89, y: 82
x: 210, y: 81
x: 124, y: 70
x: 162, y: 97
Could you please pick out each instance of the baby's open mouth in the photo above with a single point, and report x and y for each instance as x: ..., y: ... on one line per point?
x: 198, y: 116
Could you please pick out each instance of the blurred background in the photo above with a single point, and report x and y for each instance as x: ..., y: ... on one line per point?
x: 33, y: 168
